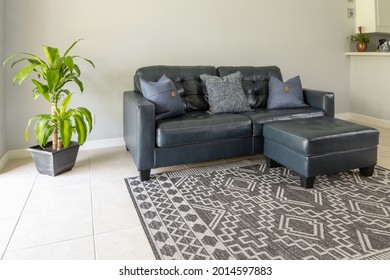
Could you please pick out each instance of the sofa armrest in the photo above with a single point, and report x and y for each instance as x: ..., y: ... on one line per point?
x: 323, y: 100
x: 139, y: 129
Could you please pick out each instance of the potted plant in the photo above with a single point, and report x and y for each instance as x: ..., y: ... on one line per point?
x: 361, y: 39
x: 52, y: 76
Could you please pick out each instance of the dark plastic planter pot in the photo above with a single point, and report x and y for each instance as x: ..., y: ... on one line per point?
x: 54, y: 163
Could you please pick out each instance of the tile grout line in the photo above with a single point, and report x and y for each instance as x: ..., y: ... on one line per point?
x: 48, y: 244
x: 119, y: 229
x: 21, y: 212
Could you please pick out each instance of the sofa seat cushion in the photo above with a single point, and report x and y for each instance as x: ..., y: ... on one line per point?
x: 261, y: 116
x: 321, y: 136
x: 201, y: 127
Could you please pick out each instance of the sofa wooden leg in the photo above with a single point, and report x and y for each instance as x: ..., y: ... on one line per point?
x: 307, y: 183
x: 271, y: 163
x: 367, y: 171
x: 144, y: 174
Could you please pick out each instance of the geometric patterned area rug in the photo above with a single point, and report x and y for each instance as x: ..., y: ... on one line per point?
x: 246, y: 211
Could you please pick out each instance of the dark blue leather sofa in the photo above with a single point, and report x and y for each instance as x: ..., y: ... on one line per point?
x: 197, y: 135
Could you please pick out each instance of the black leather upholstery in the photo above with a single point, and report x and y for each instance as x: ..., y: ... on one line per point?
x: 213, y: 150
x: 321, y: 135
x: 197, y: 135
x: 186, y: 79
x: 321, y: 100
x: 261, y: 116
x: 321, y: 146
x: 201, y: 127
x: 254, y: 82
x: 139, y: 128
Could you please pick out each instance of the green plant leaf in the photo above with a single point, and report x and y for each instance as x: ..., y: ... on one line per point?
x: 37, y: 94
x: 64, y: 106
x: 74, y: 43
x: 52, y: 56
x: 88, y: 116
x: 48, y: 132
x: 81, y: 128
x: 41, y: 89
x: 66, y: 132
x: 52, y: 77
x: 79, y: 83
x: 86, y: 59
x: 69, y: 63
x: 20, y: 60
x: 30, y: 56
x: 28, y: 126
x: 89, y: 61
x: 61, y: 82
x: 11, y: 57
x: 41, y: 126
x: 22, y: 74
x: 77, y: 70
x: 66, y: 91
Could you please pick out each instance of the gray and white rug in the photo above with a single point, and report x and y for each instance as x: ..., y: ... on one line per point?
x: 246, y: 211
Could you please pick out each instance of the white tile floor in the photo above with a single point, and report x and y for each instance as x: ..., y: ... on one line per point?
x: 83, y: 214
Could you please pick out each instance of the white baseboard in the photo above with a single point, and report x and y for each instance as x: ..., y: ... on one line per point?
x: 343, y: 116
x: 89, y: 145
x: 100, y: 144
x: 364, y: 119
x: 13, y: 154
x: 3, y: 161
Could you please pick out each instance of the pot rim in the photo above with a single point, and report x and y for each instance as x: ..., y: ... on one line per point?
x: 38, y: 149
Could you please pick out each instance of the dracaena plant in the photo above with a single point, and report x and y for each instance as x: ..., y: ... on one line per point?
x: 52, y: 75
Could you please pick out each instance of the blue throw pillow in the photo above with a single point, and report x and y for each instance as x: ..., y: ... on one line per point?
x: 164, y: 96
x: 284, y: 95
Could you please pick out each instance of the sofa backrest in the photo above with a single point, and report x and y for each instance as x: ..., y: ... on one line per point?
x: 254, y: 81
x: 186, y: 79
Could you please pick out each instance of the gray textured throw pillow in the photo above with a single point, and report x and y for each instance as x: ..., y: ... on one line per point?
x: 164, y: 96
x: 225, y: 95
x: 287, y: 94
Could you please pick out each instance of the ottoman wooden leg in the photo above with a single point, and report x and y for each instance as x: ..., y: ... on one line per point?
x: 367, y: 171
x: 307, y: 183
x: 271, y: 163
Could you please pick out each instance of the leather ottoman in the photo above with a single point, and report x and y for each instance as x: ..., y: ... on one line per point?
x: 320, y: 146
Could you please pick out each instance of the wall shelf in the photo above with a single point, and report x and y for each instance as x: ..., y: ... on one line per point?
x: 367, y: 53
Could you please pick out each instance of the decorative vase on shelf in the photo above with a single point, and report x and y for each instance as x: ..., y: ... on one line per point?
x: 361, y: 47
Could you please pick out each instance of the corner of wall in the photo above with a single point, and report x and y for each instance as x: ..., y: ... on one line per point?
x: 3, y: 161
x: 2, y: 79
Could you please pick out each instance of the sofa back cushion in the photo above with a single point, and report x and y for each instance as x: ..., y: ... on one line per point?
x: 186, y: 80
x: 254, y: 82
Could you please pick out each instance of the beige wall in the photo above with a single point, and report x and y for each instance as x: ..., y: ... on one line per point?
x: 302, y: 37
x: 370, y: 86
x: 3, y: 145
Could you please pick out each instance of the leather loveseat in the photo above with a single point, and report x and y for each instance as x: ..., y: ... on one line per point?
x: 198, y: 135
